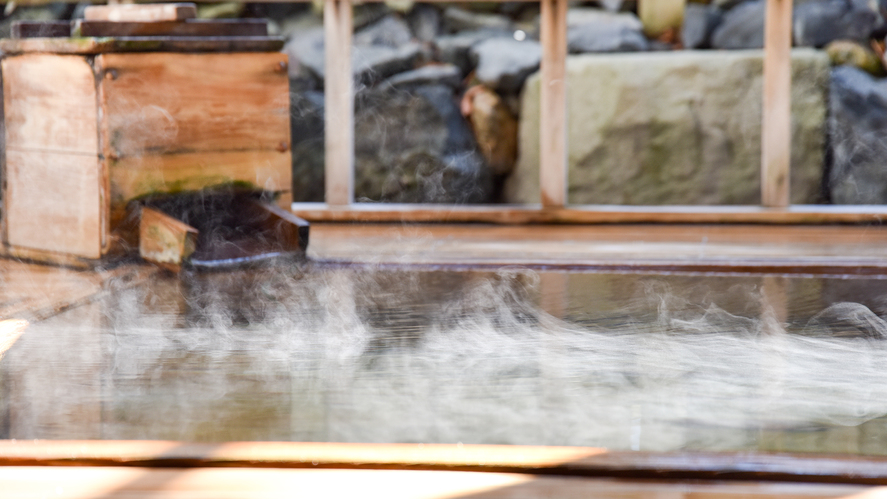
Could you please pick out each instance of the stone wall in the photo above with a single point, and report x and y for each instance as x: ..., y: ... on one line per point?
x: 680, y: 127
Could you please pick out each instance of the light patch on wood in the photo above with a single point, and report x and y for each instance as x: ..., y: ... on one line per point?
x: 161, y: 103
x: 53, y: 202
x: 164, y: 240
x: 10, y: 331
x: 50, y: 103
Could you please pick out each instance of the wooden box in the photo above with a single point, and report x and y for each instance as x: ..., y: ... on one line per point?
x: 90, y: 128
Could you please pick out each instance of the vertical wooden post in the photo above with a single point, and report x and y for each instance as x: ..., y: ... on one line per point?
x: 776, y: 126
x: 553, y: 108
x: 339, y: 103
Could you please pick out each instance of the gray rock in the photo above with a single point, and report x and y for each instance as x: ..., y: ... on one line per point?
x: 455, y: 49
x: 306, y: 56
x: 416, y: 147
x: 504, y: 63
x: 390, y: 31
x: 456, y: 19
x: 374, y: 63
x: 593, y: 30
x: 815, y: 24
x: 443, y: 74
x: 857, y: 126
x: 682, y: 127
x: 700, y: 22
x: 741, y: 28
x: 425, y: 22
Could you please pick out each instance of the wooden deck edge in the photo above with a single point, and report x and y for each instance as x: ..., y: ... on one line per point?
x: 604, y: 214
x: 568, y: 461
x: 821, y: 268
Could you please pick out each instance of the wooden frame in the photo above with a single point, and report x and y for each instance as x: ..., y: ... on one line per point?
x: 553, y: 208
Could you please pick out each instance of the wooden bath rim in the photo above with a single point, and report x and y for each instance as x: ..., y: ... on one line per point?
x: 589, y: 462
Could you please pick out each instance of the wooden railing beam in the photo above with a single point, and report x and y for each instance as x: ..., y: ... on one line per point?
x: 553, y: 107
x: 339, y: 103
x: 776, y: 125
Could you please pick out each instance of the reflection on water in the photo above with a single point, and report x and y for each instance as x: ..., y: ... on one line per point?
x: 316, y: 353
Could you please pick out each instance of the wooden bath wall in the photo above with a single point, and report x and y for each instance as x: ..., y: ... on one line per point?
x: 86, y: 133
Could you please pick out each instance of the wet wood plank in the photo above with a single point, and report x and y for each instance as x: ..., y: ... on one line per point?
x: 190, y: 27
x: 141, y: 13
x: 709, y: 248
x: 591, y: 214
x: 91, y: 46
x: 40, y: 29
x: 34, y: 292
x: 571, y: 461
x: 131, y: 483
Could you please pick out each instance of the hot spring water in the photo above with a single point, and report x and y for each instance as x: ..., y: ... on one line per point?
x: 322, y: 353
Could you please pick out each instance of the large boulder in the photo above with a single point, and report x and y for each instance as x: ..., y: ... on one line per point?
x: 700, y: 22
x: 674, y: 128
x: 815, y: 24
x: 857, y: 127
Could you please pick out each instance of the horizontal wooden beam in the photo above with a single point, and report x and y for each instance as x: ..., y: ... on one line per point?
x: 573, y: 461
x: 592, y: 214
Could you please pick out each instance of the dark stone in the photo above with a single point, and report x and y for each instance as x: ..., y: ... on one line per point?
x: 390, y: 31
x: 857, y: 125
x: 48, y: 12
x: 456, y: 19
x: 425, y: 22
x: 456, y: 49
x: 308, y: 151
x: 444, y: 74
x: 504, y: 63
x: 815, y: 24
x: 591, y: 30
x: 374, y: 63
x: 416, y: 147
x: 742, y: 27
x: 700, y: 22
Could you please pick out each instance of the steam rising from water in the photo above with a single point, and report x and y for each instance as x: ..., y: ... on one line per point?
x: 382, y: 356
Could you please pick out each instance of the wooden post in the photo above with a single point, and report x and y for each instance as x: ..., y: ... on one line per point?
x: 339, y: 96
x: 776, y: 126
x: 553, y: 109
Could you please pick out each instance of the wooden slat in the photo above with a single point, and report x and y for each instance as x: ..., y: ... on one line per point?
x: 553, y: 108
x: 89, y: 46
x: 165, y: 241
x: 135, y: 176
x: 191, y: 27
x: 776, y: 126
x: 40, y: 29
x: 289, y: 232
x: 53, y: 202
x: 166, y: 103
x: 592, y: 214
x: 141, y: 13
x: 574, y: 461
x: 339, y: 97
x: 43, y: 115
